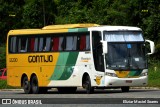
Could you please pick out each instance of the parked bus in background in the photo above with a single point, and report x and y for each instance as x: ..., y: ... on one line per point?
x: 77, y: 55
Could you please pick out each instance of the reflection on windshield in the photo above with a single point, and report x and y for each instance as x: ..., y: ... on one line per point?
x: 124, y: 56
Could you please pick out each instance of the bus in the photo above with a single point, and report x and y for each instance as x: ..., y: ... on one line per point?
x: 69, y: 56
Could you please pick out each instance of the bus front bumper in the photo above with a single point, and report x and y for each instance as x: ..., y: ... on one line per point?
x: 115, y: 81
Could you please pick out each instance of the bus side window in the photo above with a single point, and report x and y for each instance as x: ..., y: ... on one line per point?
x: 22, y: 44
x: 61, y: 43
x: 87, y: 42
x: 13, y: 45
x: 75, y: 42
x: 48, y: 44
x: 55, y: 43
x: 32, y: 41
x: 82, y: 42
x: 36, y: 45
x: 41, y: 43
x: 69, y: 43
x: 44, y: 44
x: 33, y: 44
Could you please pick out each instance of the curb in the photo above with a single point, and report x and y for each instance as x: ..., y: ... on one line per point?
x: 153, y: 88
x: 11, y: 89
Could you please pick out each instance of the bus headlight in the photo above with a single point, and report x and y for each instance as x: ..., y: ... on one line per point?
x: 144, y: 74
x: 111, y: 74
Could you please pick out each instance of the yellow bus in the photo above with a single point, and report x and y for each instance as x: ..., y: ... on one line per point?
x: 76, y: 55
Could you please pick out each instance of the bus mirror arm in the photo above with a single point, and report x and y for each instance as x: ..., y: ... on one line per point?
x: 152, y: 47
x: 104, y: 47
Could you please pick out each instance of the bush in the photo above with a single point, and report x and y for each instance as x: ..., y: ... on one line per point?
x: 3, y: 85
x: 2, y: 56
x: 154, y: 74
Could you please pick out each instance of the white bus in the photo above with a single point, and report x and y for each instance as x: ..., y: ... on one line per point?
x: 77, y: 55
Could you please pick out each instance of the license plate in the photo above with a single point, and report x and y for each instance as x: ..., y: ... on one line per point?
x: 128, y: 81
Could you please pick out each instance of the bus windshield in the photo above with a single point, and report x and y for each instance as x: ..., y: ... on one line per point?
x: 125, y: 56
x: 126, y: 50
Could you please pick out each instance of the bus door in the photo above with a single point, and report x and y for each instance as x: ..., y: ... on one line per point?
x: 98, y: 57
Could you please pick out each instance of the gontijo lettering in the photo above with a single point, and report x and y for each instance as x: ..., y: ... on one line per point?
x: 40, y: 58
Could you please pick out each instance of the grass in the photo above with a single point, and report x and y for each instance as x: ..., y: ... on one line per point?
x: 3, y: 85
x: 154, y: 74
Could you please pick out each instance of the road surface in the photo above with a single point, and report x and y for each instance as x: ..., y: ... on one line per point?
x: 107, y: 97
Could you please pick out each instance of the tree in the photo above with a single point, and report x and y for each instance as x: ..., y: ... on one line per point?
x: 38, y: 13
x: 10, y: 14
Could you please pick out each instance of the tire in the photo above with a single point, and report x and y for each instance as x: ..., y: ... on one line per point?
x: 125, y: 89
x: 26, y: 85
x: 34, y: 85
x: 64, y: 90
x: 87, y: 85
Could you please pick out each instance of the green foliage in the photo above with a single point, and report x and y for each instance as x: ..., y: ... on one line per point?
x: 10, y: 14
x: 3, y: 85
x: 17, y: 14
x: 32, y: 14
x: 2, y: 56
x: 153, y: 76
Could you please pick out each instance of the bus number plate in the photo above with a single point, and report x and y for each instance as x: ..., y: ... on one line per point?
x: 128, y: 81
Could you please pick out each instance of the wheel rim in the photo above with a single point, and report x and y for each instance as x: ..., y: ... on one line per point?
x: 34, y: 85
x: 26, y: 85
x: 87, y: 84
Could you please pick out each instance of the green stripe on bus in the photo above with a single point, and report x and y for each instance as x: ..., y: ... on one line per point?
x: 78, y: 30
x: 69, y: 68
x: 60, y: 66
x: 134, y: 73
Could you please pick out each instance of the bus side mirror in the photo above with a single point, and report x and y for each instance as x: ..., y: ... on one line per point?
x: 105, y: 47
x: 152, y: 47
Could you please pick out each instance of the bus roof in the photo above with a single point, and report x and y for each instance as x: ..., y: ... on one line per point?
x: 72, y: 28
x: 68, y: 26
x: 114, y: 28
x: 54, y: 29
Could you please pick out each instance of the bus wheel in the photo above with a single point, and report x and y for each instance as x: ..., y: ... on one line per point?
x: 26, y: 85
x: 87, y: 85
x: 125, y: 89
x: 34, y: 85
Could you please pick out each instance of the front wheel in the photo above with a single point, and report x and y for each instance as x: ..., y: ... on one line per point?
x: 87, y: 85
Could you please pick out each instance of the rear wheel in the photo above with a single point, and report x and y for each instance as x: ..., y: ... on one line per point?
x: 87, y: 85
x: 34, y: 85
x: 26, y: 85
x: 125, y: 89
